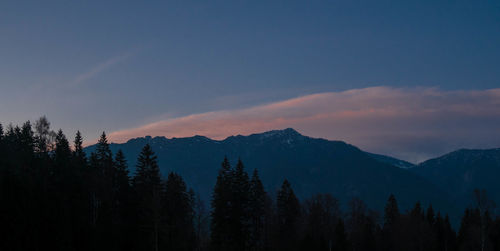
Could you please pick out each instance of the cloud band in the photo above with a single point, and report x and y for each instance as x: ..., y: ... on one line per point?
x: 413, y: 124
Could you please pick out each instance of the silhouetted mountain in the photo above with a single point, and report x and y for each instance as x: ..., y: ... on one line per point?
x: 392, y: 161
x: 459, y: 173
x: 311, y: 165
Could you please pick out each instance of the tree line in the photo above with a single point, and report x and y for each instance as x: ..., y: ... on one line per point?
x: 54, y: 196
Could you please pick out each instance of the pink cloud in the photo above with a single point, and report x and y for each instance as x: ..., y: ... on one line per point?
x: 411, y: 123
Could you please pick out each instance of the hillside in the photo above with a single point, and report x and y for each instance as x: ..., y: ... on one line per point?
x: 312, y: 165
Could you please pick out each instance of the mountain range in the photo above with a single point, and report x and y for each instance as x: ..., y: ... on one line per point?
x: 315, y: 165
x: 460, y: 172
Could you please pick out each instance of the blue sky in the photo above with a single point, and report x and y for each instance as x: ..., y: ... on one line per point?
x: 116, y: 65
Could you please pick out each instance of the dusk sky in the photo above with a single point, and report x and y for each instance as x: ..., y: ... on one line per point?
x: 411, y: 79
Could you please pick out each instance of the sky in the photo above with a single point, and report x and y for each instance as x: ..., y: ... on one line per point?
x: 411, y: 79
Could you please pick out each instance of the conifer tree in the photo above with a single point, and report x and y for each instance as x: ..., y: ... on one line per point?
x: 257, y: 206
x: 288, y: 213
x: 391, y: 212
x: 240, y: 217
x: 221, y: 235
x: 445, y: 236
x: 122, y: 208
x: 79, y: 155
x: 430, y: 216
x: 417, y: 213
x: 63, y: 152
x: 121, y: 179
x: 147, y: 185
x: 102, y: 192
x: 104, y: 154
x: 469, y: 234
x: 178, y: 209
x: 26, y: 141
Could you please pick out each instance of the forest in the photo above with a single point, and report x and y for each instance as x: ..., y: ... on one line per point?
x: 55, y: 197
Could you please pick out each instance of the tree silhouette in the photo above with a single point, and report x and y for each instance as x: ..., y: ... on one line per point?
x: 221, y: 235
x: 288, y: 213
x: 148, y: 188
x: 178, y: 209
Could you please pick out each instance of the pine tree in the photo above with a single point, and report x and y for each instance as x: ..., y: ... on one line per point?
x: 103, y: 152
x: 178, y: 208
x: 445, y: 236
x: 121, y: 170
x: 122, y: 202
x: 147, y: 170
x: 288, y: 213
x: 240, y: 217
x: 26, y: 142
x: 469, y: 234
x: 147, y: 185
x: 221, y: 235
x: 430, y: 216
x: 63, y: 152
x: 417, y: 212
x: 257, y: 206
x: 391, y: 212
x: 121, y: 182
x: 391, y: 218
x: 79, y: 155
x: 102, y: 192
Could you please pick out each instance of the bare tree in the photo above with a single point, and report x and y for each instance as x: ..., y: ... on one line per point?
x: 485, y: 207
x: 44, y: 137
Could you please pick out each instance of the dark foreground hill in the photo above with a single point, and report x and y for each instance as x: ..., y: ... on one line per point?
x: 312, y: 166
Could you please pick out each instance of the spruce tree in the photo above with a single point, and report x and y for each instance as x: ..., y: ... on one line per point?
x: 178, y: 209
x: 288, y: 213
x: 79, y: 155
x: 102, y: 192
x: 221, y: 232
x: 103, y: 152
x: 121, y: 179
x: 26, y: 142
x: 63, y: 152
x: 391, y: 212
x: 257, y: 206
x: 147, y: 185
x: 240, y: 206
x: 122, y: 210
x: 121, y: 170
x: 430, y: 216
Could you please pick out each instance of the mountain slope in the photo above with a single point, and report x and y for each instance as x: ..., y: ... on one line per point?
x: 312, y: 165
x: 460, y: 172
x: 391, y: 161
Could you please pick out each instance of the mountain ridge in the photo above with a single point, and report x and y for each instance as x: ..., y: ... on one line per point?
x: 459, y: 172
x: 312, y: 165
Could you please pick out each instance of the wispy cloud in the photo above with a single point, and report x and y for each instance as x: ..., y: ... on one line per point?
x: 413, y: 124
x: 100, y: 68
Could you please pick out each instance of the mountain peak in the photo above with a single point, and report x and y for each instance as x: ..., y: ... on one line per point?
x: 290, y: 132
